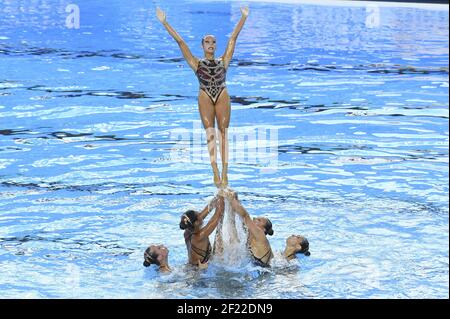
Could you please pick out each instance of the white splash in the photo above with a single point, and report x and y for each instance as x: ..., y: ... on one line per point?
x: 230, y: 243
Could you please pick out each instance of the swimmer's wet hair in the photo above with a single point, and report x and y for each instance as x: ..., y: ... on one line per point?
x: 207, y: 35
x: 268, y: 228
x: 150, y: 258
x: 305, y: 247
x: 188, y: 219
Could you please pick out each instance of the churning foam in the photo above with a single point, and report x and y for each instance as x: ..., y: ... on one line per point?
x: 230, y: 243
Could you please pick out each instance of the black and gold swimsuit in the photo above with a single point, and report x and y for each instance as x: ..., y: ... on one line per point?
x: 205, y: 254
x: 259, y: 261
x: 211, y: 76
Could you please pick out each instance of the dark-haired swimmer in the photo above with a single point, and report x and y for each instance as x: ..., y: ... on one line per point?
x: 258, y: 228
x: 213, y: 99
x: 296, y: 244
x: 157, y: 255
x: 196, y: 236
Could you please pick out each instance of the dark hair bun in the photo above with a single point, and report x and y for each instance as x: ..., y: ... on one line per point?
x: 188, y: 223
x: 305, y: 246
x: 268, y: 228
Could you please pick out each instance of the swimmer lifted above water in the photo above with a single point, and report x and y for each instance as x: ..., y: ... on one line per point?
x: 213, y: 98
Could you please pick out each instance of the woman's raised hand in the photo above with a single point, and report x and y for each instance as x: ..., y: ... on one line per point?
x: 231, y: 195
x: 161, y: 15
x: 237, y: 207
x: 245, y: 11
x: 226, y: 193
x: 213, y: 202
x: 222, y: 193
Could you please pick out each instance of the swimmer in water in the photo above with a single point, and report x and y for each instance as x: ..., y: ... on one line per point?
x: 213, y: 98
x: 258, y: 229
x: 296, y: 244
x: 196, y: 236
x: 157, y: 255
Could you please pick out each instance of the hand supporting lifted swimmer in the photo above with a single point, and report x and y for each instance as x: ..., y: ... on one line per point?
x: 245, y: 11
x: 197, y: 241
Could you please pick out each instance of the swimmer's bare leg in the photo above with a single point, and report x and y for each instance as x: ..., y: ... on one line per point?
x: 223, y: 113
x: 212, y: 149
x: 208, y: 117
x: 223, y: 141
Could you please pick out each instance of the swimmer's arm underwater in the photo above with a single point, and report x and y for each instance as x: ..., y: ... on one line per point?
x: 228, y: 55
x: 191, y: 60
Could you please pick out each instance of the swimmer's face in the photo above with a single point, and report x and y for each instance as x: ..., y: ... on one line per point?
x: 161, y: 252
x: 299, y: 244
x: 198, y: 221
x: 294, y: 241
x: 209, y: 44
x: 260, y: 222
x: 190, y: 220
x: 185, y: 219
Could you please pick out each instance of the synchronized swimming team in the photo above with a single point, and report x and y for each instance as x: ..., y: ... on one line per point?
x: 214, y: 106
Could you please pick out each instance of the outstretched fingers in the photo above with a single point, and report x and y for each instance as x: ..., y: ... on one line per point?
x: 160, y: 14
x: 245, y: 11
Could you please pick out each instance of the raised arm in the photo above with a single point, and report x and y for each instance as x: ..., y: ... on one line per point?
x: 212, y: 223
x: 228, y: 55
x: 240, y: 210
x: 191, y: 60
x: 206, y: 211
x: 208, y: 208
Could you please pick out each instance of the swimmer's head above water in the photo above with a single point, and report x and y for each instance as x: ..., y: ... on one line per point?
x: 265, y: 224
x: 209, y: 44
x: 262, y: 222
x: 157, y: 255
x: 296, y: 244
x: 190, y: 220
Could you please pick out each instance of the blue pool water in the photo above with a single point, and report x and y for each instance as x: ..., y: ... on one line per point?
x: 358, y: 95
